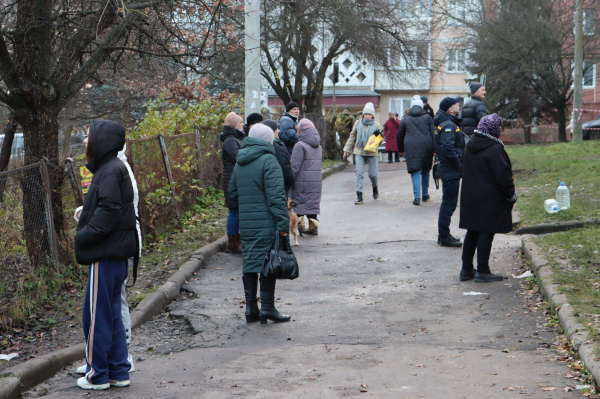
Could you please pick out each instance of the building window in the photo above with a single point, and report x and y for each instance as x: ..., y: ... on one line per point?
x: 456, y: 60
x: 413, y: 8
x: 457, y: 12
x: 589, y: 73
x: 589, y: 21
x: 414, y: 57
x: 399, y: 104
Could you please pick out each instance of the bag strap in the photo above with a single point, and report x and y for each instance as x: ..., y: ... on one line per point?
x: 136, y: 257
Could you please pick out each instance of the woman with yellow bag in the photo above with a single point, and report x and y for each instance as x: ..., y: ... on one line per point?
x: 363, y: 142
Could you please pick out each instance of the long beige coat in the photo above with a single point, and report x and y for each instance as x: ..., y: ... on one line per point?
x: 351, y: 146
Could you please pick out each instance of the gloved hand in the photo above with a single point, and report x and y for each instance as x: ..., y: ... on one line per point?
x: 377, y: 133
x: 512, y: 199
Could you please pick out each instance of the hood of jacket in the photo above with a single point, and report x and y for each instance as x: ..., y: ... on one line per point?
x: 252, y: 149
x: 122, y: 155
x: 479, y: 142
x: 442, y: 116
x: 108, y: 138
x: 291, y: 116
x: 229, y: 131
x: 311, y: 137
x: 416, y: 111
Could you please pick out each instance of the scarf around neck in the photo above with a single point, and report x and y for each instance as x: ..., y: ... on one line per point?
x: 363, y: 136
x: 489, y: 136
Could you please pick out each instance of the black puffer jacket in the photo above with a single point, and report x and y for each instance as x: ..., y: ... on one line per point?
x: 429, y: 110
x: 415, y: 139
x: 232, y: 142
x: 487, y: 187
x: 106, y: 228
x: 472, y: 112
x: 450, y: 142
x: 283, y: 157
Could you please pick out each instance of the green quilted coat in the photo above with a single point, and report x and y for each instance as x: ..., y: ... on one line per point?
x: 257, y: 185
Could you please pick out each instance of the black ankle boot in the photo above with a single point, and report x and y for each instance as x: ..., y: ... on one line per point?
x: 267, y: 303
x: 375, y: 193
x: 487, y: 277
x: 467, y: 274
x: 250, y: 287
x: 359, y: 198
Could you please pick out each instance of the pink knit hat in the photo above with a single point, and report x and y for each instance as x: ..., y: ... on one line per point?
x: 233, y: 119
x: 305, y: 124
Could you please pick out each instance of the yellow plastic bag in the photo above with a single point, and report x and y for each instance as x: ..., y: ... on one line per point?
x: 373, y: 143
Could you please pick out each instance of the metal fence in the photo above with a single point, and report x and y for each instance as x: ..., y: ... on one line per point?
x: 37, y: 202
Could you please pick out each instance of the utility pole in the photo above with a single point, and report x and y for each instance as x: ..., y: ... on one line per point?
x: 578, y: 75
x: 252, y: 64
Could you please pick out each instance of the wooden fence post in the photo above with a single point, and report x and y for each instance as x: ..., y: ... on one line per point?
x: 165, y: 157
x: 48, y: 211
x: 75, y: 182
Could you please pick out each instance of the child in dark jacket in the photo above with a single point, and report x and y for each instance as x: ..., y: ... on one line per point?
x: 106, y: 237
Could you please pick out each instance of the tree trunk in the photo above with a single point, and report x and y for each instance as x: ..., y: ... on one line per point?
x: 9, y: 135
x: 562, y: 125
x: 41, y: 140
x: 527, y: 133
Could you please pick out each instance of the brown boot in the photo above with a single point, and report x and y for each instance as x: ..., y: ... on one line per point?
x: 313, y: 227
x: 233, y: 245
x: 302, y: 225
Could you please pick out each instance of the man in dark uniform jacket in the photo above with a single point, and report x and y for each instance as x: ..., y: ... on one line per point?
x: 474, y: 109
x: 450, y: 142
x: 427, y: 107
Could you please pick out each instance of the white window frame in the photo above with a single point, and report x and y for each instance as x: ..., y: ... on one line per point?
x: 456, y: 5
x: 593, y: 75
x: 589, y: 30
x: 405, y: 100
x: 397, y: 60
x: 455, y: 61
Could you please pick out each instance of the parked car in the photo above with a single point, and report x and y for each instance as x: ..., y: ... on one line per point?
x: 591, y: 134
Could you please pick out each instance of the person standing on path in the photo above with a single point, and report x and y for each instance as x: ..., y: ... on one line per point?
x: 487, y: 198
x: 106, y: 238
x: 427, y: 107
x: 257, y: 185
x: 362, y: 130
x: 449, y: 146
x: 288, y: 132
x: 232, y: 138
x: 282, y: 156
x: 415, y: 140
x: 474, y: 109
x: 252, y: 120
x: 390, y: 128
x: 307, y: 162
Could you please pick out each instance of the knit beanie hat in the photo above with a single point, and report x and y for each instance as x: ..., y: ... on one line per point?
x: 424, y: 99
x: 271, y: 123
x: 475, y: 86
x: 263, y: 132
x: 490, y: 124
x: 369, y: 109
x: 291, y: 105
x: 305, y: 124
x: 416, y: 100
x: 448, y: 102
x: 254, y: 118
x: 232, y: 119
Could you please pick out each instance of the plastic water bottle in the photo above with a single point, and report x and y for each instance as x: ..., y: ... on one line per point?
x: 563, y: 196
x: 551, y: 206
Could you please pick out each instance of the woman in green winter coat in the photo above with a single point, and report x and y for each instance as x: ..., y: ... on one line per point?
x: 257, y: 185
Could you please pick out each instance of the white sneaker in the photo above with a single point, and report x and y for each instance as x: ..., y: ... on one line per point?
x: 83, y: 383
x: 81, y: 370
x: 115, y: 383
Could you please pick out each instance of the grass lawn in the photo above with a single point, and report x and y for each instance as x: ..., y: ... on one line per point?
x: 328, y: 163
x: 575, y: 259
x: 537, y: 169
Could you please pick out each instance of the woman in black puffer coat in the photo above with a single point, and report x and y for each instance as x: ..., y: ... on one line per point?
x: 232, y: 138
x: 415, y: 139
x: 487, y: 198
x: 106, y: 237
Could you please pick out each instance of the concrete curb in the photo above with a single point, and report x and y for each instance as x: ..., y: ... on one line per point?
x: 335, y: 168
x: 575, y: 331
x: 546, y: 228
x: 26, y: 375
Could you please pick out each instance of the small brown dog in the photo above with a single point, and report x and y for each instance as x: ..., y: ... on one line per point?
x: 294, y: 220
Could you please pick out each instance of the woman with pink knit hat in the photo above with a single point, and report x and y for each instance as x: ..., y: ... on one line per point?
x: 306, y: 162
x: 231, y: 138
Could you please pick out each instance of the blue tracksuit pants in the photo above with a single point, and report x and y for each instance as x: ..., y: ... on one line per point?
x: 106, y: 344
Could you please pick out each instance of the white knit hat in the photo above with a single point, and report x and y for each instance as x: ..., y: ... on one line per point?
x: 369, y: 109
x: 263, y: 132
x: 416, y: 100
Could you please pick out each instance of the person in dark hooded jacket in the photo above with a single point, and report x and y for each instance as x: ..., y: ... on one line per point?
x: 415, y: 140
x: 449, y: 145
x: 487, y: 198
x: 288, y: 131
x: 231, y: 137
x: 474, y: 109
x: 282, y: 155
x: 106, y: 237
x: 427, y: 107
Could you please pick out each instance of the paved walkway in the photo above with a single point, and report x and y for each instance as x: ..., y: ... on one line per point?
x: 378, y: 308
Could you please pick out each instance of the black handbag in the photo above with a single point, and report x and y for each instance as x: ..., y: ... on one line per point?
x: 280, y: 262
x: 437, y: 174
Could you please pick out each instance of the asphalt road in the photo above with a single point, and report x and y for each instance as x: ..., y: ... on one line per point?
x: 378, y: 312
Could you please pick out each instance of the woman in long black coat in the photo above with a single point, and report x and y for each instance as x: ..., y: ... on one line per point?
x: 415, y: 140
x: 487, y: 198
